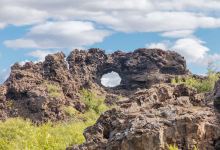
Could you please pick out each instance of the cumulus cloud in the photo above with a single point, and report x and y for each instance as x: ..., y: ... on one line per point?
x: 178, y: 33
x: 40, y: 54
x: 161, y: 45
x: 18, y: 15
x: 62, y: 34
x: 158, y: 21
x: 193, y: 49
x: 195, y: 5
x: 144, y: 16
x: 20, y: 43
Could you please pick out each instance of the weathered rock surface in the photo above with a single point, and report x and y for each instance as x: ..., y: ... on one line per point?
x: 216, y: 95
x: 154, y: 118
x: 140, y: 68
x: 26, y: 93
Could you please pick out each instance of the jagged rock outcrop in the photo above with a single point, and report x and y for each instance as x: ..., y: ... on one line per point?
x: 154, y: 118
x: 26, y: 92
x: 140, y: 68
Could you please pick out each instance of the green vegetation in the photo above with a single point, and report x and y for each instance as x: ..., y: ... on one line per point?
x: 92, y: 102
x: 195, y: 148
x: 9, y: 103
x: 19, y: 134
x: 53, y: 90
x: 172, y: 147
x: 70, y: 111
x: 205, y: 85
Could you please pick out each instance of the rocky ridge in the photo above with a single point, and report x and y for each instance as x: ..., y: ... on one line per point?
x: 153, y: 119
x: 26, y: 93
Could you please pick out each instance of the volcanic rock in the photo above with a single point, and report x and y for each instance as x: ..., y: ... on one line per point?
x: 153, y: 119
x: 26, y: 92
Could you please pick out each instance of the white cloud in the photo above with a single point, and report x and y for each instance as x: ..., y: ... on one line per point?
x: 22, y: 63
x: 2, y: 25
x: 195, y: 5
x: 191, y: 48
x: 20, y: 43
x: 214, y: 59
x: 40, y: 54
x: 4, y: 73
x: 160, y: 45
x: 123, y: 15
x: 62, y: 34
x: 158, y: 21
x: 111, y: 79
x: 178, y: 33
x: 18, y: 15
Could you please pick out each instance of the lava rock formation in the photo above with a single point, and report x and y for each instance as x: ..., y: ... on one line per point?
x: 25, y: 93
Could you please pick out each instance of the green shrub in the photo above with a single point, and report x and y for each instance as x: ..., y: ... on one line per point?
x: 205, y: 85
x: 54, y: 90
x: 93, y: 102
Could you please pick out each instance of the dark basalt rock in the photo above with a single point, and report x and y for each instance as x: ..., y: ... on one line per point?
x: 26, y: 88
x: 140, y: 68
x: 217, y: 95
x: 153, y: 119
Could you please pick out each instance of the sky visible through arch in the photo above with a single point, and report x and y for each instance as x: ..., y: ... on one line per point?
x: 31, y: 29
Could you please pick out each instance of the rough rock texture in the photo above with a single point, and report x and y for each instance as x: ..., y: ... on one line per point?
x: 216, y: 95
x: 26, y: 92
x: 154, y: 118
x: 140, y: 68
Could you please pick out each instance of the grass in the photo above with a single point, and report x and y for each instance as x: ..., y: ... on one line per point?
x: 54, y: 91
x: 205, y: 85
x: 19, y: 134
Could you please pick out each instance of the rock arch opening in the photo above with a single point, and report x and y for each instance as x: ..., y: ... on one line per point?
x: 111, y: 79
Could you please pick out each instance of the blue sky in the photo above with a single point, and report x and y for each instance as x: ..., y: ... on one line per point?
x: 31, y: 29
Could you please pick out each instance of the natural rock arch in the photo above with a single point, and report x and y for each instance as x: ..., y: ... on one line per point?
x: 27, y: 84
x: 140, y: 68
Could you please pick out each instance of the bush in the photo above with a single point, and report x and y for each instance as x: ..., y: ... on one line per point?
x: 93, y: 102
x: 205, y: 85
